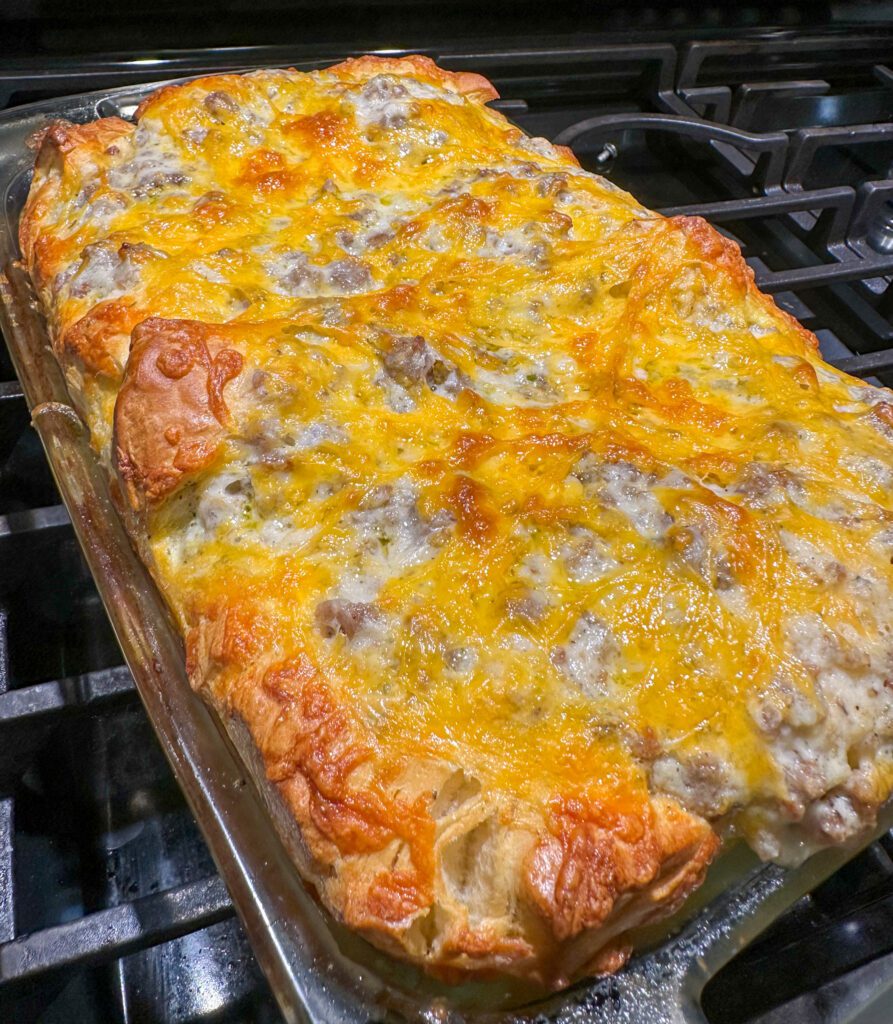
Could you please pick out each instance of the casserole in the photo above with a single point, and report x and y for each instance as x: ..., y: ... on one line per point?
x: 627, y: 488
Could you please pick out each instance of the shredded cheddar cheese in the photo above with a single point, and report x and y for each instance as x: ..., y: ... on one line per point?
x: 534, y: 480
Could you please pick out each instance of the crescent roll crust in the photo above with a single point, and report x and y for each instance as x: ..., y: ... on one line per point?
x: 532, y: 546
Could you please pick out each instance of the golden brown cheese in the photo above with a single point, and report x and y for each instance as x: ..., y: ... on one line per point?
x: 526, y: 536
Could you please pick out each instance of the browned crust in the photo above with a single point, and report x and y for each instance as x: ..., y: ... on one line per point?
x: 565, y: 888
x: 171, y: 413
x: 64, y: 149
x: 96, y: 345
x: 722, y: 252
x: 576, y: 873
x: 100, y: 340
x: 568, y: 155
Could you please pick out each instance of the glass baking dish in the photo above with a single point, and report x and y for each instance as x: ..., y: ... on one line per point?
x: 319, y: 972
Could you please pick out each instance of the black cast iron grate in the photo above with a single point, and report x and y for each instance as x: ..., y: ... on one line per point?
x: 110, y: 909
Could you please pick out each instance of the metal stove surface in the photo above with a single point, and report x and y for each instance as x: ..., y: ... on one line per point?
x: 110, y: 909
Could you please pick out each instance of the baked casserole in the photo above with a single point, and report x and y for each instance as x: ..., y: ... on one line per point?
x: 535, y: 548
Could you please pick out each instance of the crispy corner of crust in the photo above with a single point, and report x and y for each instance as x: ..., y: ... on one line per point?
x: 569, y: 155
x: 466, y: 83
x: 595, y: 881
x: 419, y: 857
x: 726, y: 254
x: 62, y: 148
x: 100, y: 339
x: 171, y: 415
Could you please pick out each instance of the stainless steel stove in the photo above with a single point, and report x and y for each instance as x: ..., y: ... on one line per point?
x: 110, y: 907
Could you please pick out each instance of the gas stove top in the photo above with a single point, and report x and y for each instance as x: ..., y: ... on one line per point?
x: 110, y: 907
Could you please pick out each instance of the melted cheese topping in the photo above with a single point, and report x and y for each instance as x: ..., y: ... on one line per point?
x: 535, y: 475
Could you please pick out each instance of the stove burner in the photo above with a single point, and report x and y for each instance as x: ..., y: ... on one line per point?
x: 110, y: 908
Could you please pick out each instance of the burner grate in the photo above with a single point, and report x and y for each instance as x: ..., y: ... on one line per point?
x: 110, y: 908
x: 105, y: 882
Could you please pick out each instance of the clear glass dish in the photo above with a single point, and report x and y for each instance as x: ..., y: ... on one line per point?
x: 317, y: 970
